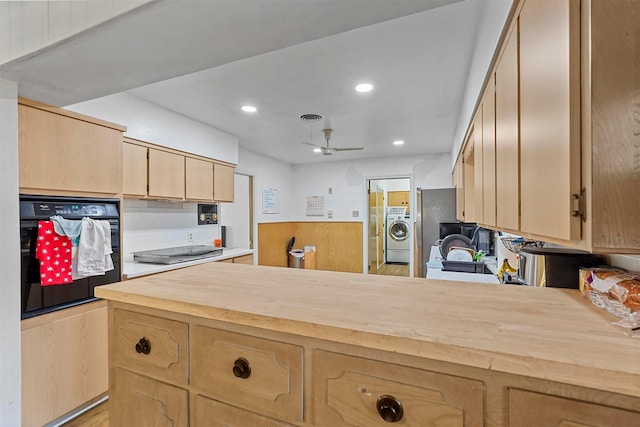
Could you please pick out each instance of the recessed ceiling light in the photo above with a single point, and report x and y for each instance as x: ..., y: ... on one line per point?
x: 398, y: 142
x: 364, y: 87
x: 249, y: 109
x: 317, y: 150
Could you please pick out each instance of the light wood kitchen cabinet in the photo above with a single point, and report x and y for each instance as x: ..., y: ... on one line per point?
x: 458, y: 183
x: 573, y: 138
x: 154, y: 172
x: 143, y: 401
x: 134, y: 170
x: 210, y: 413
x: 507, y: 175
x: 468, y: 159
x: 261, y: 375
x: 198, y: 179
x: 399, y: 198
x: 166, y: 175
x: 352, y: 391
x: 549, y: 117
x: 223, y: 182
x: 244, y: 259
x: 53, y: 347
x: 264, y: 351
x: 478, y: 174
x: 546, y: 410
x: 489, y: 155
x: 61, y: 151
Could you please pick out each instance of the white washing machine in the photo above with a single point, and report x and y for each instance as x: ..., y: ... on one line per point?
x: 398, y: 237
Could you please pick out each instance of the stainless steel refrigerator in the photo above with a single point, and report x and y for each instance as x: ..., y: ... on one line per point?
x: 433, y: 207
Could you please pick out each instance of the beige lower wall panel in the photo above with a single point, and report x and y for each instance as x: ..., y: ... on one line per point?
x: 64, y: 362
x: 338, y: 244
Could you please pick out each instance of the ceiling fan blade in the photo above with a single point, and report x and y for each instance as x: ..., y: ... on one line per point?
x: 310, y: 144
x: 348, y: 148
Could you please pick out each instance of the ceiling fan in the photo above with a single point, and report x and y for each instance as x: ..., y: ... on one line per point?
x: 328, y: 150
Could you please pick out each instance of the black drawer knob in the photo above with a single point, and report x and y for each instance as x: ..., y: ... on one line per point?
x: 390, y: 409
x: 241, y: 368
x: 143, y: 346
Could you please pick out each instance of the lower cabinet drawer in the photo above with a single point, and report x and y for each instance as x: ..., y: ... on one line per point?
x: 211, y: 413
x: 351, y: 391
x: 139, y: 401
x: 150, y: 345
x: 526, y: 407
x: 257, y: 374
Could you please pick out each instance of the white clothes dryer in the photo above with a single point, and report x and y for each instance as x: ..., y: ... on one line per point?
x: 398, y: 238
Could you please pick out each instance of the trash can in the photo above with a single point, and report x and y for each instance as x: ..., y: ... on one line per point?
x: 296, y: 256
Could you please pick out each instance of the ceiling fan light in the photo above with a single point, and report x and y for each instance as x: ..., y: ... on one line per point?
x: 317, y: 150
x: 398, y: 142
x: 364, y: 87
x: 249, y: 109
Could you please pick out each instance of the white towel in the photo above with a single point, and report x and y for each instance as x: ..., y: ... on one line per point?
x: 108, y: 250
x: 91, y: 249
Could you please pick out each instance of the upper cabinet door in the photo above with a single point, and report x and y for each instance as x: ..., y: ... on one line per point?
x: 198, y: 179
x: 166, y: 175
x: 507, y: 137
x: 223, y: 183
x: 478, y: 178
x: 63, y: 153
x: 549, y: 117
x: 489, y: 155
x: 134, y: 170
x: 469, y: 178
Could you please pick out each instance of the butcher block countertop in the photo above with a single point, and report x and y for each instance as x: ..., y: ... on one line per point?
x: 545, y: 333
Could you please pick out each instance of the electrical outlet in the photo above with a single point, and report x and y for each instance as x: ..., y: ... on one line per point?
x: 330, y: 214
x: 190, y: 236
x: 330, y: 190
x: 355, y: 214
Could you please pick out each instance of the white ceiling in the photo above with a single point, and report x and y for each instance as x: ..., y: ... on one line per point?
x: 287, y: 58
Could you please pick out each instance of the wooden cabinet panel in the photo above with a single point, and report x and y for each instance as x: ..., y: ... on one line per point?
x: 348, y: 390
x: 223, y: 183
x: 615, y: 125
x: 478, y: 176
x: 140, y: 401
x: 525, y: 406
x: 134, y: 170
x: 469, y: 181
x: 258, y: 374
x: 507, y: 137
x: 166, y: 174
x: 489, y: 155
x: 245, y: 259
x: 211, y: 413
x: 62, y: 153
x: 166, y: 341
x: 549, y: 117
x: 64, y: 361
x: 458, y: 173
x: 198, y: 179
x: 399, y: 198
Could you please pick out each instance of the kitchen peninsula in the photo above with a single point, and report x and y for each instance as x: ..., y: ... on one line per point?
x: 226, y: 344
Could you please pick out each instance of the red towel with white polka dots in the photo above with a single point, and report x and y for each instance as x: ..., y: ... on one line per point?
x: 54, y: 253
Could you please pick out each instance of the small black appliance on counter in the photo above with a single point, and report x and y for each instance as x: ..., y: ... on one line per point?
x: 554, y: 267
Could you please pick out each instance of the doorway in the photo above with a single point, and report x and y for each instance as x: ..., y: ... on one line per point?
x: 390, y: 228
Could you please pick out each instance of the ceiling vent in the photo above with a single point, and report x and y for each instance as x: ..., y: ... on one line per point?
x: 310, y: 117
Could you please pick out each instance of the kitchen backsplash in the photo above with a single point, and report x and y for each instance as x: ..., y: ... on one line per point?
x: 628, y: 262
x: 150, y: 224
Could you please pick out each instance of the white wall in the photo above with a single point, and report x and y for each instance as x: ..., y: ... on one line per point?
x: 268, y: 173
x: 235, y: 216
x: 347, y: 180
x: 9, y: 257
x: 493, y: 20
x: 150, y: 123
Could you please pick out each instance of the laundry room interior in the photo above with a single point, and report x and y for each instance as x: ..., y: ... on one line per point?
x: 395, y: 229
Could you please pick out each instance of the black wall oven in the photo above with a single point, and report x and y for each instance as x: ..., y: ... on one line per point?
x: 37, y: 299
